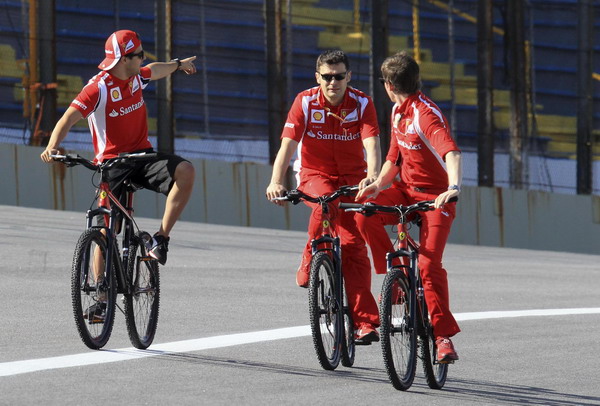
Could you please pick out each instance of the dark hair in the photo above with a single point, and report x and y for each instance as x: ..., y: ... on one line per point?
x: 333, y: 57
x: 402, y: 72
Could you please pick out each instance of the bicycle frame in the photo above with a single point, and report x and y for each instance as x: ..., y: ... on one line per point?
x: 109, y: 206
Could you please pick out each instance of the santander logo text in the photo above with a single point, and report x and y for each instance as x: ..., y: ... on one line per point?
x: 337, y: 137
x: 126, y: 110
x: 411, y: 146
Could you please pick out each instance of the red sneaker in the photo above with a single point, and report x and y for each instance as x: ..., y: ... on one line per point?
x: 366, y: 334
x: 303, y: 274
x: 302, y: 278
x: 446, y: 354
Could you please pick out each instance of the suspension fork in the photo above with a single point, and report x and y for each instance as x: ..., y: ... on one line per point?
x: 409, y: 253
x: 128, y: 232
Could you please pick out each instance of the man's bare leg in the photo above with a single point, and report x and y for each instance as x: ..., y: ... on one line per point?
x: 178, y: 197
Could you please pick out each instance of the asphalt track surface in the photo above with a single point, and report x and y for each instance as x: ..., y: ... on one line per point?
x: 233, y: 326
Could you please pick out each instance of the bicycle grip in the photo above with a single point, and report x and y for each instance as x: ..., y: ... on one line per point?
x: 350, y: 206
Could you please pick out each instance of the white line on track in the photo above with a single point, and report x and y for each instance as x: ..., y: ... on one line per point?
x: 124, y: 354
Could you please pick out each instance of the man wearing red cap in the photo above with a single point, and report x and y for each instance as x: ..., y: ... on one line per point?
x: 113, y: 104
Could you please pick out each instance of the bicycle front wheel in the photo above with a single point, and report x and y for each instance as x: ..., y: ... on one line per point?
x: 324, y: 311
x: 142, y: 298
x: 398, y: 335
x: 93, y: 289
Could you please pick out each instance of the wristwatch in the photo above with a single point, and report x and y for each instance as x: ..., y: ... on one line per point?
x: 178, y: 62
x: 454, y: 187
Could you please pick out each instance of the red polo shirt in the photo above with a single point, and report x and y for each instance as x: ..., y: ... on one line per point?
x: 327, y: 144
x: 419, y: 143
x: 116, y: 113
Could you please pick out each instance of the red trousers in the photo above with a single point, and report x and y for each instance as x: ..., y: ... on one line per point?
x: 435, y: 228
x: 355, y: 260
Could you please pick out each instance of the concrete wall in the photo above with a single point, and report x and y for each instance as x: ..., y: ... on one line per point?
x: 233, y: 194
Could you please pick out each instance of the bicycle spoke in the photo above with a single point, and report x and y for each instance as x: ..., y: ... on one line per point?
x: 324, y: 312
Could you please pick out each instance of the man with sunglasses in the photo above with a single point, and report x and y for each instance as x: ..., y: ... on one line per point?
x: 426, y: 157
x: 113, y: 104
x: 331, y: 126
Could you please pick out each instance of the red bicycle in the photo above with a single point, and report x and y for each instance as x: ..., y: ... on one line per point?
x: 405, y: 324
x: 330, y: 318
x: 100, y: 272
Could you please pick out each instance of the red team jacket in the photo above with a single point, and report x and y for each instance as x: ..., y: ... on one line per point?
x: 116, y: 113
x: 420, y: 140
x: 325, y: 143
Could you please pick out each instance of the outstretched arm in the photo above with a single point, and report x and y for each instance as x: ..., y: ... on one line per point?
x: 68, y: 120
x: 163, y: 69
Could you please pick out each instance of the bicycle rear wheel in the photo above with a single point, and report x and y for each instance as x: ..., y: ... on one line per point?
x: 324, y: 311
x: 93, y: 297
x: 348, y: 346
x: 398, y: 335
x: 142, y: 299
x: 435, y: 372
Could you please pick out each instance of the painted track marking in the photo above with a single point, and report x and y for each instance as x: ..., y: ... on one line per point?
x: 200, y: 344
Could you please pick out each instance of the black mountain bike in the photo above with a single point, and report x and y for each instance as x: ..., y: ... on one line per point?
x: 100, y: 271
x: 405, y: 324
x: 330, y: 317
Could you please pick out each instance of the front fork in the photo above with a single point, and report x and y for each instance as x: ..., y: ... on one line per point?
x: 333, y: 245
x: 415, y: 294
x: 110, y: 217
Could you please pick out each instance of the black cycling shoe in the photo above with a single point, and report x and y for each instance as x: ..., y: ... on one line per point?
x: 96, y: 313
x: 160, y: 247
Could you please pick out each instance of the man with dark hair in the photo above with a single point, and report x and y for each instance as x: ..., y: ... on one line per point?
x: 113, y: 104
x: 331, y: 126
x: 428, y: 161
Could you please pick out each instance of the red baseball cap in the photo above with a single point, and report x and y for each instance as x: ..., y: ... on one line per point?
x: 118, y: 44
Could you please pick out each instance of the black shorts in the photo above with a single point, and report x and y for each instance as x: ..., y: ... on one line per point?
x: 154, y: 174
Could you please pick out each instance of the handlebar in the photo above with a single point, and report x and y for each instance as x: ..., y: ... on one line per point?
x: 75, y: 159
x: 295, y: 196
x: 369, y: 208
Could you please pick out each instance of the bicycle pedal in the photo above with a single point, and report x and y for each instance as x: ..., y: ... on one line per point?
x: 96, y: 320
x: 360, y: 342
x: 148, y: 258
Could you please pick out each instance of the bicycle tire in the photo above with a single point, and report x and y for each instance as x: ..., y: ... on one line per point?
x: 435, y: 372
x: 324, y: 311
x: 348, y: 345
x: 87, y: 292
x: 142, y: 301
x: 398, y: 335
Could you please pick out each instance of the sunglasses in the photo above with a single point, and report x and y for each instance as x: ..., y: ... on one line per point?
x: 338, y: 76
x: 139, y: 55
x: 382, y: 81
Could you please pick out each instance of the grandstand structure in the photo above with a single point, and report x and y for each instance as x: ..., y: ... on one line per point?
x: 226, y: 102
